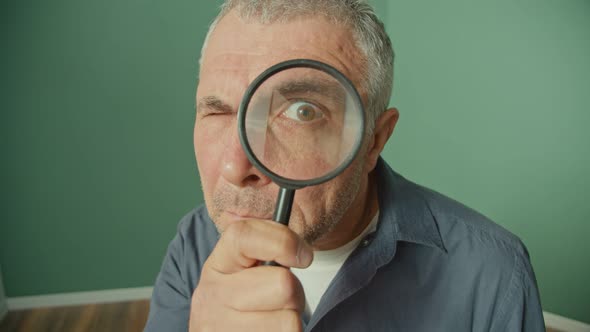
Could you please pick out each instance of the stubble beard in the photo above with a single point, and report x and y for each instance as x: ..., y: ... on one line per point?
x: 343, y: 200
x: 251, y: 199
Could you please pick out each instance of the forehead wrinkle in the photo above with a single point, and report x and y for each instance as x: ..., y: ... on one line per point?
x: 226, y: 85
x: 250, y: 47
x: 337, y: 43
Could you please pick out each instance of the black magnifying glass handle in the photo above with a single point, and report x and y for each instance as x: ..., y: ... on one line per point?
x: 282, y: 212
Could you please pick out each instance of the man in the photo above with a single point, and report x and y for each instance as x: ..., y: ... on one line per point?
x: 366, y: 251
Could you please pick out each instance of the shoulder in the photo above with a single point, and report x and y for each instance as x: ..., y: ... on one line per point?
x: 197, y: 232
x: 426, y: 213
x: 196, y: 236
x: 490, y: 258
x: 195, y: 239
x: 197, y: 224
x: 180, y: 272
x: 477, y: 246
x: 461, y: 231
x: 479, y: 260
x: 460, y: 225
x: 472, y: 242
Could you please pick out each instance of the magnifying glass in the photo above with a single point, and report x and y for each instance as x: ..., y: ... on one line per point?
x: 301, y: 123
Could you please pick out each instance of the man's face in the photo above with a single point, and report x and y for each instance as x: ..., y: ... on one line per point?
x: 237, y: 53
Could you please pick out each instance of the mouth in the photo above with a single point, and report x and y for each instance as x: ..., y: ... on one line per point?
x: 243, y: 215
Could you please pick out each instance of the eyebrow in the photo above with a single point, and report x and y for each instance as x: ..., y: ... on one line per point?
x: 329, y: 89
x: 213, y: 103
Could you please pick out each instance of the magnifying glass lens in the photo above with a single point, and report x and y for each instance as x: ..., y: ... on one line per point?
x: 302, y: 123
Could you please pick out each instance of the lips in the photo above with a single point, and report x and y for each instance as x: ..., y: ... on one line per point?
x: 247, y: 215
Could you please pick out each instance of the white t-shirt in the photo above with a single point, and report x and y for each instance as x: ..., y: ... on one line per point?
x: 317, y: 277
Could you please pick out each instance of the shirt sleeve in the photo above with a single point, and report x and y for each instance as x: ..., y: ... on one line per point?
x: 171, y: 297
x: 521, y: 308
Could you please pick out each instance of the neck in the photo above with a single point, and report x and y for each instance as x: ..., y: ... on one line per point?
x: 357, y: 217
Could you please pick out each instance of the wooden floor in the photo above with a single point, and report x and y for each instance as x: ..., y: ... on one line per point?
x: 111, y: 317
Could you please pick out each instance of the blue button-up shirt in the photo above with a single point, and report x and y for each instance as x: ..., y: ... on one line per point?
x: 431, y: 265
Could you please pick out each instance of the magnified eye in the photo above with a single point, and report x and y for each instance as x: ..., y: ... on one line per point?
x: 303, y: 111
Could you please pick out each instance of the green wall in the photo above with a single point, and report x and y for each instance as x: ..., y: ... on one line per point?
x: 97, y: 114
x: 493, y: 99
x: 96, y: 132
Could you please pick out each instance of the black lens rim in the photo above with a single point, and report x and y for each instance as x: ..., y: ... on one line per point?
x: 298, y: 63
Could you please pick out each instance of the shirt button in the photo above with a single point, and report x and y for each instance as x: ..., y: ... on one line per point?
x: 366, y: 241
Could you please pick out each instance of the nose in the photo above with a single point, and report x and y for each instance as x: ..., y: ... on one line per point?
x: 237, y: 169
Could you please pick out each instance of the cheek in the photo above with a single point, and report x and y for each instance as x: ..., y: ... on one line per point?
x: 209, y: 149
x: 314, y: 201
x: 322, y: 198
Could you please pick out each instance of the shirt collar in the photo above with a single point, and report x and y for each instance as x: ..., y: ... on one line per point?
x: 404, y: 211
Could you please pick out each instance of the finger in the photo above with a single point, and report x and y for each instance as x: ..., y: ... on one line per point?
x: 244, y: 243
x: 264, y: 321
x: 263, y: 288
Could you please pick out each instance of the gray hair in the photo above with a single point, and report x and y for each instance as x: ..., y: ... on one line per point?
x: 368, y: 31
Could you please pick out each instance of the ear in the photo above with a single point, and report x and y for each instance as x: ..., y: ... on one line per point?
x: 384, y: 126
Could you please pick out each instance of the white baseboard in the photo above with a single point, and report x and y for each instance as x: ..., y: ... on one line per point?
x: 78, y: 298
x: 564, y: 324
x: 141, y: 293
